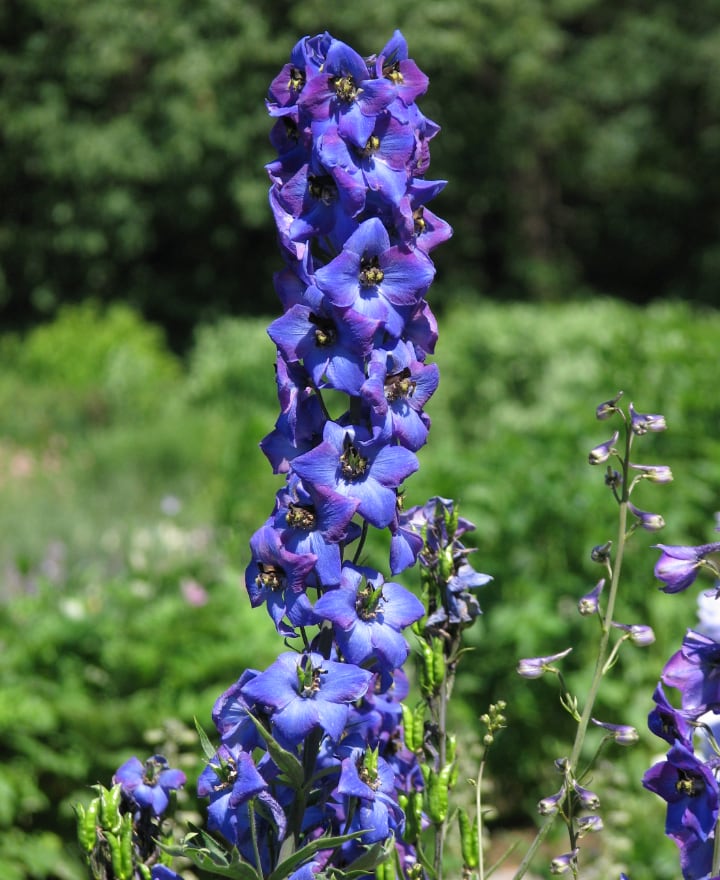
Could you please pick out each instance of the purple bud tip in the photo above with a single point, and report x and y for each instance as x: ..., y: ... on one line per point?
x: 641, y: 423
x: 602, y: 453
x: 651, y: 522
x: 534, y: 667
x: 622, y: 734
x: 608, y: 407
x: 562, y: 864
x: 655, y: 473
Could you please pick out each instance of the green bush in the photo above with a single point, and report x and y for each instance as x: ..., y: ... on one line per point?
x: 89, y: 366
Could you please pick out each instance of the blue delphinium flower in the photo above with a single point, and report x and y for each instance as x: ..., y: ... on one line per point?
x: 306, y: 691
x: 695, y: 671
x: 369, y: 614
x: 691, y: 791
x: 148, y: 785
x: 679, y: 565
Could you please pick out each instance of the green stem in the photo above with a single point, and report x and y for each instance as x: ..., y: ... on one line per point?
x: 442, y: 758
x: 478, y: 811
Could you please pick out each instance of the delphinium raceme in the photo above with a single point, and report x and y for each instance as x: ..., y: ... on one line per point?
x: 688, y: 778
x: 574, y: 802
x: 313, y: 770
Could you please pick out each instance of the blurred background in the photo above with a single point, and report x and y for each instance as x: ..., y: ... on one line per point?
x: 581, y: 142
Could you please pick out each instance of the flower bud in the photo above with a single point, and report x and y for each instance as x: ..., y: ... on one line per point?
x: 589, y: 603
x: 562, y: 765
x: 655, y: 473
x: 602, y: 453
x: 589, y: 824
x: 551, y: 804
x: 622, y: 734
x: 588, y: 799
x: 651, y: 522
x: 639, y: 633
x: 641, y: 423
x: 608, y: 407
x: 535, y: 667
x: 562, y: 864
x: 601, y: 553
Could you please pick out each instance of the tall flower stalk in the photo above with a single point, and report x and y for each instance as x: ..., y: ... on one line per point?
x: 313, y: 770
x: 574, y: 804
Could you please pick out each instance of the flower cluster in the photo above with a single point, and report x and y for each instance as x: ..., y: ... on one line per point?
x: 687, y: 778
x: 312, y: 758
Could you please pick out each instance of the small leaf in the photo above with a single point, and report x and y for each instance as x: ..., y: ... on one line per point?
x: 286, y: 761
x: 302, y: 855
x: 208, y: 748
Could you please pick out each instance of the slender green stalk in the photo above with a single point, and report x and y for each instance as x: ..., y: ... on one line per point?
x: 478, y: 811
x: 441, y: 828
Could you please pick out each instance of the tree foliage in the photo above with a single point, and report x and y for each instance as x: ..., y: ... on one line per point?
x: 580, y: 141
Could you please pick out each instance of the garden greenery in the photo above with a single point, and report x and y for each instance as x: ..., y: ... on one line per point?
x: 323, y: 768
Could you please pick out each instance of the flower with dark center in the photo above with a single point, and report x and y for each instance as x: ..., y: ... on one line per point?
x: 368, y: 615
x: 691, y: 792
x: 306, y: 691
x: 378, y: 280
x: 148, y: 785
x: 333, y: 347
x: 345, y: 95
x: 667, y: 722
x: 353, y: 463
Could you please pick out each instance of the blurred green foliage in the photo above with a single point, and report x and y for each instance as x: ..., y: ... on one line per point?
x: 580, y: 139
x: 116, y: 530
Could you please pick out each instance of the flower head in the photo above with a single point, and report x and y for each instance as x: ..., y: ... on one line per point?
x: 149, y: 784
x: 306, y: 691
x: 678, y: 565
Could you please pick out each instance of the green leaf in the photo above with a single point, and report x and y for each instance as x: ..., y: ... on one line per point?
x: 284, y: 869
x: 213, y: 857
x: 286, y: 761
x: 208, y: 748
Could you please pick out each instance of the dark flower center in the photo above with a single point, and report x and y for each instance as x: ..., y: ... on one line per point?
x: 309, y: 680
x: 272, y: 577
x: 367, y: 604
x: 689, y: 785
x: 291, y: 130
x: 392, y: 72
x: 325, y: 330
x: 153, y: 769
x: 352, y: 464
x: 371, y: 147
x: 299, y: 517
x: 419, y: 220
x: 296, y: 80
x: 370, y: 272
x: 227, y: 773
x: 399, y: 385
x: 323, y: 189
x: 345, y: 88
